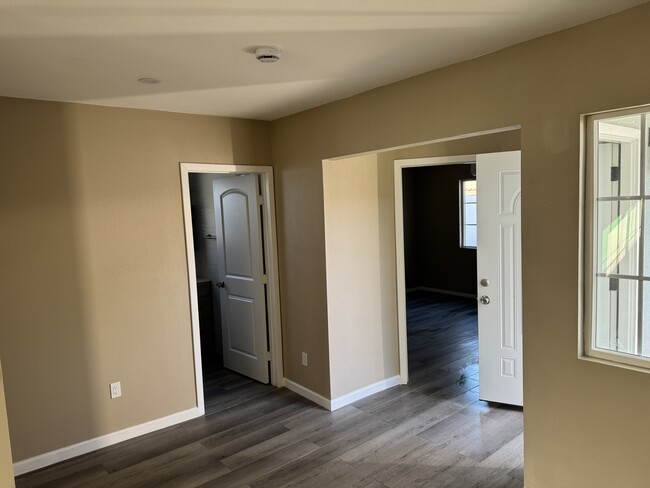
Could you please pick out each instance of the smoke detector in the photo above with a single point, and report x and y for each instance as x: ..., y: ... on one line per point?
x: 268, y: 54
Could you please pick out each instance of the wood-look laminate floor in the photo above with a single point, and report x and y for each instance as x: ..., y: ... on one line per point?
x: 433, y: 432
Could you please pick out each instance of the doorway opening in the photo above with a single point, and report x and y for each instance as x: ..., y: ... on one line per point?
x: 230, y: 236
x: 498, y: 259
x: 439, y: 216
x: 364, y: 247
x: 438, y: 272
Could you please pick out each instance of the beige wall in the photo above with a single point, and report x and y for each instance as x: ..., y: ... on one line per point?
x: 6, y: 466
x: 584, y: 422
x: 509, y: 140
x: 92, y: 253
x: 362, y: 350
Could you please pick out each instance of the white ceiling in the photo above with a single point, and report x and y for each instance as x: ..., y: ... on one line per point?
x: 94, y: 51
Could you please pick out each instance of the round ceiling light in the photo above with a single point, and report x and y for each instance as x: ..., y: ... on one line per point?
x: 268, y: 54
x: 149, y: 81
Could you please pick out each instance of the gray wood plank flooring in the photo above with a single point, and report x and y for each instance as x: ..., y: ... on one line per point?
x: 433, y: 432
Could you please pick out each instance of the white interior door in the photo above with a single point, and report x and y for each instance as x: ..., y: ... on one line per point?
x: 241, y: 276
x: 498, y: 184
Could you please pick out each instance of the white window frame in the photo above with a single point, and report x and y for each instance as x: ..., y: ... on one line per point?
x: 589, y: 243
x: 461, y: 212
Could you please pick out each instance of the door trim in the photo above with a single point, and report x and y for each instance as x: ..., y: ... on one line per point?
x: 271, y: 257
x: 400, y: 164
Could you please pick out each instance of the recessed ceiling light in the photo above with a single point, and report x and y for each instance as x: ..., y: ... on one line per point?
x: 149, y: 81
x: 268, y: 54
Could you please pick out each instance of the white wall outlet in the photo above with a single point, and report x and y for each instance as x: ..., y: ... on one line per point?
x: 305, y: 360
x: 116, y: 390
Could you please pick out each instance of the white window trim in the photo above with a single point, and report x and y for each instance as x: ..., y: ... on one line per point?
x: 586, y: 349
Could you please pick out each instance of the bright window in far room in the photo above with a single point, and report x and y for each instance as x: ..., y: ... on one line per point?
x: 468, y: 213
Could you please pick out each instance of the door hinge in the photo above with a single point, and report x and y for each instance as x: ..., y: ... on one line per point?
x: 260, y: 200
x: 265, y: 279
x: 268, y: 355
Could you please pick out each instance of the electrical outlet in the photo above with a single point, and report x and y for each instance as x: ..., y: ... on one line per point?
x: 305, y: 360
x: 116, y: 390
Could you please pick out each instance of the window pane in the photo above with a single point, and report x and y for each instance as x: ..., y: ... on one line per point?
x: 646, y: 241
x: 618, y: 237
x: 616, y: 314
x: 470, y: 213
x: 470, y: 236
x: 618, y: 156
x: 645, y: 347
x: 645, y: 154
x: 469, y: 191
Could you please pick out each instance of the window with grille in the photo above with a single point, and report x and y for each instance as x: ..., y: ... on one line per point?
x: 468, y: 213
x: 617, y: 241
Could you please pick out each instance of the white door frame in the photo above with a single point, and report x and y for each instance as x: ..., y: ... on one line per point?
x: 271, y: 257
x: 400, y: 164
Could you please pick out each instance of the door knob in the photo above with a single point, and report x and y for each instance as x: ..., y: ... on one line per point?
x: 221, y: 284
x: 485, y: 299
x: 485, y: 282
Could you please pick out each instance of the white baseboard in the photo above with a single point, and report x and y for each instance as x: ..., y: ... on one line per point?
x: 364, y: 392
x: 438, y: 290
x: 308, y: 394
x: 343, y: 400
x: 84, y: 447
x: 43, y: 460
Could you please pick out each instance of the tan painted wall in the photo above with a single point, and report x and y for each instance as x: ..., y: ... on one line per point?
x: 92, y: 253
x: 357, y: 337
x: 584, y: 422
x: 6, y: 464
